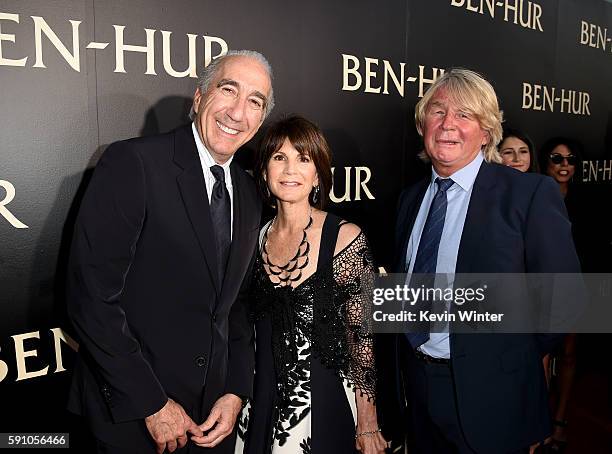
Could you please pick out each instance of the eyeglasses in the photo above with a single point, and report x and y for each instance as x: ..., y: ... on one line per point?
x: 557, y: 158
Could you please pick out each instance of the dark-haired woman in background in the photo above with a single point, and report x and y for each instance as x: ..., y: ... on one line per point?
x: 558, y: 158
x: 315, y: 373
x: 517, y: 151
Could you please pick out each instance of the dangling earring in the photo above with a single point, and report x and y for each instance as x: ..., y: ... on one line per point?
x: 315, y: 195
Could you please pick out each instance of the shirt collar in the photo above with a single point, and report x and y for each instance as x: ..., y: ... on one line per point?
x: 205, y: 155
x: 465, y: 176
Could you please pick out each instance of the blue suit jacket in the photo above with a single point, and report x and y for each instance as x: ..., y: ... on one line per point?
x: 516, y: 223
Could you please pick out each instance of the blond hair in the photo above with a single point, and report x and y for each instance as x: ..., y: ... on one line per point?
x: 475, y: 95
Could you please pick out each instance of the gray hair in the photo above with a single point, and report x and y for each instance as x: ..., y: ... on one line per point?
x: 210, y: 72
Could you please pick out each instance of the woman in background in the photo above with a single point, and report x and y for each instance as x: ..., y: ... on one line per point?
x: 559, y: 158
x: 517, y: 151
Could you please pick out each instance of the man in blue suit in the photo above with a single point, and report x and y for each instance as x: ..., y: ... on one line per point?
x: 483, y: 393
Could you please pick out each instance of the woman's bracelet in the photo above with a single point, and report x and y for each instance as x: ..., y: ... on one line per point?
x: 369, y: 432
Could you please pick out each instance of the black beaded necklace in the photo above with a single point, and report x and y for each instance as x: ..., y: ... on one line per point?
x: 285, y: 275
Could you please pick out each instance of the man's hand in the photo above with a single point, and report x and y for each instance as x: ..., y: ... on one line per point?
x: 222, y: 417
x: 169, y: 426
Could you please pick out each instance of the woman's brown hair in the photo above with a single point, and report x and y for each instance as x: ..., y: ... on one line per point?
x: 307, y: 139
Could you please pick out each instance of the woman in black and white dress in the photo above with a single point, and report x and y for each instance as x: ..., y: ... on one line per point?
x: 315, y: 373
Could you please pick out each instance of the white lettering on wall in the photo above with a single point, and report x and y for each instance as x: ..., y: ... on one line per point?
x: 8, y: 198
x: 355, y: 182
x: 596, y: 171
x: 211, y: 46
x: 26, y: 354
x: 11, y: 38
x: 524, y: 13
x: 552, y: 99
x: 371, y: 78
x: 594, y: 36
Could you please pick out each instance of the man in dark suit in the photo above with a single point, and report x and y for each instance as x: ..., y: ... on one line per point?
x: 482, y: 393
x: 163, y: 247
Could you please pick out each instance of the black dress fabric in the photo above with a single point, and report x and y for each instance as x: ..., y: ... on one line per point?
x: 313, y: 342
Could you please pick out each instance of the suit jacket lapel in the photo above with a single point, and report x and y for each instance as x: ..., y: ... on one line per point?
x: 239, y: 250
x: 408, y: 219
x: 195, y: 198
x: 473, y: 229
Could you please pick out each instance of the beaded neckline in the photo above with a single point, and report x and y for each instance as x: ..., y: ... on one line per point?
x: 285, y: 275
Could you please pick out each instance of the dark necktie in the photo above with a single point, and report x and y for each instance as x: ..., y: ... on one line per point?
x: 427, y: 253
x: 220, y: 212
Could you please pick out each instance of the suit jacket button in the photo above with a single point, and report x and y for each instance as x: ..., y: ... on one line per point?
x: 200, y: 361
x: 106, y: 392
x: 214, y: 317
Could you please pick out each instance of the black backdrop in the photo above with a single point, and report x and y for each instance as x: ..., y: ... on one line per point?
x: 355, y: 67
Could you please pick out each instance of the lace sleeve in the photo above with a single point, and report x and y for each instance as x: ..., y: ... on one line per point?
x: 354, y: 277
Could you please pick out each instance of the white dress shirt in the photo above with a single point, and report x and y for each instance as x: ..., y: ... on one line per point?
x: 207, y: 162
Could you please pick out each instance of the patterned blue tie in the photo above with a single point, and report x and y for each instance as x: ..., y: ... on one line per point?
x: 427, y: 254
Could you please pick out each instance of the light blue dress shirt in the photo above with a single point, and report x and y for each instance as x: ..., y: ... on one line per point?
x: 458, y: 200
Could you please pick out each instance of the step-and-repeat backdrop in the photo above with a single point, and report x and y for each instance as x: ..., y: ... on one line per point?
x: 77, y: 75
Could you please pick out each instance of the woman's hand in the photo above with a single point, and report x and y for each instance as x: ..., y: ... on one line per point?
x: 371, y: 443
x: 368, y: 439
